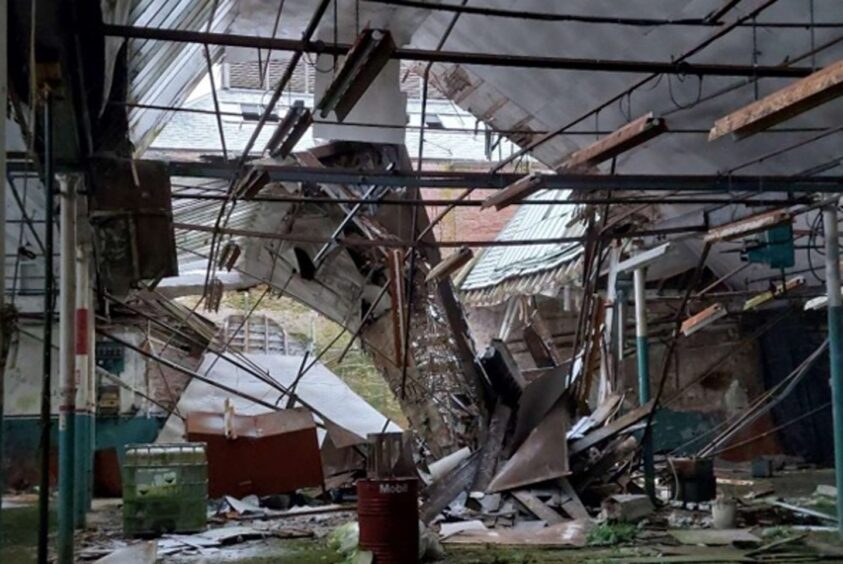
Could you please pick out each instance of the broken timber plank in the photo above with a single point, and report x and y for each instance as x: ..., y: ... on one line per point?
x: 769, y: 295
x: 571, y: 503
x: 492, y: 446
x: 704, y: 318
x: 395, y: 262
x: 535, y: 506
x: 612, y: 429
x: 450, y: 265
x: 568, y: 533
x: 747, y: 226
x: 537, y: 348
x: 540, y: 326
x: 623, y: 139
x: 788, y: 102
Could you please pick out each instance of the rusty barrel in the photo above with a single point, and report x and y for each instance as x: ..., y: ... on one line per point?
x: 388, y: 513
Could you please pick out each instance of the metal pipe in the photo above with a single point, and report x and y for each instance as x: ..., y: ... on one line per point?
x: 642, y: 351
x: 835, y: 335
x: 67, y: 370
x: 47, y: 357
x: 349, y: 216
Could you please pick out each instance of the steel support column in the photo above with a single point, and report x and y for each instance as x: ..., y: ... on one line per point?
x: 84, y: 414
x: 47, y: 358
x: 835, y: 335
x: 643, y: 352
x: 3, y: 337
x: 67, y: 370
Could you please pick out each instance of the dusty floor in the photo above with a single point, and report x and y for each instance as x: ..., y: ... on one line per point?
x: 20, y: 525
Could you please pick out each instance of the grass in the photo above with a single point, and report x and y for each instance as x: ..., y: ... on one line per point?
x: 20, y: 530
x: 611, y: 534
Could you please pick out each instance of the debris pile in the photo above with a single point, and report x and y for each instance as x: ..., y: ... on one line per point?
x: 541, y: 474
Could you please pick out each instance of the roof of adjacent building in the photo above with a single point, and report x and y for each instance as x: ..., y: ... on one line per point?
x: 531, y: 269
x: 192, y: 131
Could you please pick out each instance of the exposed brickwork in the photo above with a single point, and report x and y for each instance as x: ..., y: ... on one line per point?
x: 467, y: 223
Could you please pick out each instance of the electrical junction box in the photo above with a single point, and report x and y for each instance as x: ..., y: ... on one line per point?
x: 775, y: 249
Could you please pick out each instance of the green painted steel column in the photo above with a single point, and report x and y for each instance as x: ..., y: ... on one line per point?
x: 643, y: 353
x: 67, y: 371
x: 835, y: 334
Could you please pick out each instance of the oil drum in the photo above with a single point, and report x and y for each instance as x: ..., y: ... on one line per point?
x: 388, y: 513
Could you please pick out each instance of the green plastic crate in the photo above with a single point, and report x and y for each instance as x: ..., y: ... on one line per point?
x: 165, y: 489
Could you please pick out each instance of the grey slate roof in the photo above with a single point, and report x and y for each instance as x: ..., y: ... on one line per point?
x: 199, y: 132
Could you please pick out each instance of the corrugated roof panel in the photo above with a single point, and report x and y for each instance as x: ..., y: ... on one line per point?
x: 501, y: 267
x: 164, y: 73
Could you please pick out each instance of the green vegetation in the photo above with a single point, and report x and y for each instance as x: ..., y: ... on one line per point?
x: 20, y: 530
x: 304, y: 324
x: 610, y: 534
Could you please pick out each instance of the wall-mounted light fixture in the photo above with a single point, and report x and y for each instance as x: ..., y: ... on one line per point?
x: 363, y: 63
x: 290, y: 131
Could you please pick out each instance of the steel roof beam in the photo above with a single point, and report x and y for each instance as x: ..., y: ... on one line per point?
x: 562, y: 181
x: 459, y: 57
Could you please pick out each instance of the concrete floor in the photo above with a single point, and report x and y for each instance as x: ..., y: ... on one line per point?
x: 105, y: 524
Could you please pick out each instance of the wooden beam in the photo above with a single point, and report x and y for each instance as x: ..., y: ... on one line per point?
x: 747, y: 226
x: 450, y: 265
x: 514, y: 193
x: 535, y: 506
x: 770, y: 295
x: 784, y: 104
x: 537, y: 348
x: 704, y: 318
x: 492, y: 446
x: 395, y: 262
x: 627, y: 137
x: 571, y: 503
x: 612, y: 429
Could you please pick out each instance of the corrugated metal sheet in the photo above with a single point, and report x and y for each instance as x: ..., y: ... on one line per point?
x: 164, y: 73
x: 530, y: 269
x: 191, y: 245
